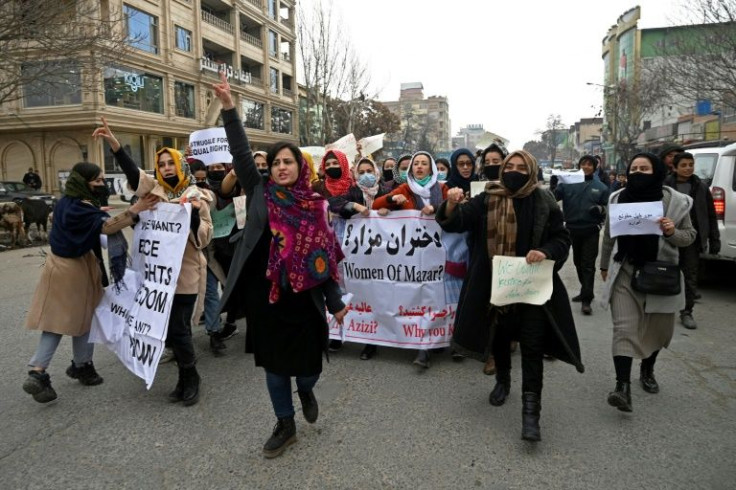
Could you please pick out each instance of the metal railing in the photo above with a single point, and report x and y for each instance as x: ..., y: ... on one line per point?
x: 256, y: 3
x: 251, y: 39
x: 287, y: 93
x: 286, y: 56
x: 217, y: 22
x: 256, y: 81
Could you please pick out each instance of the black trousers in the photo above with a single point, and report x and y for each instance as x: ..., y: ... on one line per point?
x: 584, y: 254
x: 689, y: 257
x: 527, y: 324
x: 179, y: 335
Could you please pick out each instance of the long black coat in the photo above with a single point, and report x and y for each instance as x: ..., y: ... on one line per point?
x: 296, y: 351
x: 473, y: 329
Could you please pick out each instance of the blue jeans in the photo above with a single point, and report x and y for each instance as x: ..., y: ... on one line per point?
x: 49, y: 342
x: 279, y: 388
x: 211, y: 304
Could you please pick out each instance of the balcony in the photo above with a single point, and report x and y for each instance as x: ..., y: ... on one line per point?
x: 286, y: 56
x: 286, y: 22
x: 251, y: 39
x: 217, y: 22
x: 258, y: 82
x: 287, y: 93
x: 255, y: 3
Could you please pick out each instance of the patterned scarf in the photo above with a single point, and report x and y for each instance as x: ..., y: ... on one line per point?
x: 398, y: 179
x: 369, y: 193
x: 337, y: 187
x: 182, y: 173
x: 304, y: 252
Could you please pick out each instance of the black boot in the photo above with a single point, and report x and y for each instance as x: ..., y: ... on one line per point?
x: 646, y: 377
x: 531, y: 406
x: 620, y: 397
x: 85, y: 373
x: 38, y: 384
x: 189, y: 379
x: 501, y: 390
x: 310, y: 409
x: 368, y: 352
x: 284, y: 434
x: 217, y: 346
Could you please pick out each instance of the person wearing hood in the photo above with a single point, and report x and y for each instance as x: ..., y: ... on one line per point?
x: 642, y: 323
x: 703, y: 217
x: 584, y: 205
x: 73, y: 277
x: 514, y: 217
x: 462, y: 170
x: 667, y: 155
x: 421, y: 192
x: 400, y: 171
x: 173, y: 183
x: 387, y: 172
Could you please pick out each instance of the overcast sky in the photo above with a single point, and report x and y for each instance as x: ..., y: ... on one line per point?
x: 504, y: 64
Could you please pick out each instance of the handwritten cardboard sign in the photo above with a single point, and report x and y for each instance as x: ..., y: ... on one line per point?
x: 569, y: 176
x: 635, y: 218
x: 210, y: 146
x: 515, y: 281
x: 223, y: 221
x: 477, y: 187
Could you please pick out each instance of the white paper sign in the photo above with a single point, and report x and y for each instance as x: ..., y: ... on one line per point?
x: 477, y: 187
x: 347, y: 145
x: 515, y: 281
x: 317, y: 152
x: 371, y: 144
x: 133, y: 322
x: 394, y: 268
x: 569, y: 176
x: 240, y: 211
x: 210, y: 146
x: 635, y: 218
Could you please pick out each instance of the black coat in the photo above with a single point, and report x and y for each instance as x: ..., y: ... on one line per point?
x: 296, y: 351
x: 473, y: 331
x: 703, y: 212
x: 344, y: 204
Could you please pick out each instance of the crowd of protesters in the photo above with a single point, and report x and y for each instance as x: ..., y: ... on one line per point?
x: 281, y: 271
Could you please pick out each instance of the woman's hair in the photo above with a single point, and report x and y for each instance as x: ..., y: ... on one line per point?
x: 89, y: 171
x: 682, y: 156
x: 197, y: 166
x: 443, y: 161
x: 277, y: 147
x: 494, y: 148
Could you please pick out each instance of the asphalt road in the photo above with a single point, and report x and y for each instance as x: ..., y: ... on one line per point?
x: 382, y: 424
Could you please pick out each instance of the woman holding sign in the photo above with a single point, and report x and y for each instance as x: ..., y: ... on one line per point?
x: 283, y: 274
x: 517, y: 218
x: 643, y: 323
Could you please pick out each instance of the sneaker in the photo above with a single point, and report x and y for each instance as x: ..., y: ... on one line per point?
x: 422, y: 359
x: 167, y: 356
x: 86, y: 374
x: 284, y: 434
x: 38, y: 384
x: 687, y: 320
x: 310, y: 408
x: 228, y: 330
x: 368, y: 352
x: 586, y: 309
x: 217, y: 346
x: 335, y: 345
x: 577, y: 299
x: 457, y: 357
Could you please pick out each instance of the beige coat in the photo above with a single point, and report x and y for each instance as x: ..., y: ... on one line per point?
x: 70, y: 289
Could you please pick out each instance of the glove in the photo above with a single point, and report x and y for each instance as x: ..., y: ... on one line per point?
x: 597, y: 212
x: 714, y: 246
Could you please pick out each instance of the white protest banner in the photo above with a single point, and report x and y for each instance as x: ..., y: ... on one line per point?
x: 210, y: 146
x: 240, y: 211
x: 316, y: 152
x: 569, y: 176
x: 371, y: 144
x: 477, y: 187
x: 133, y: 322
x: 347, y: 145
x: 635, y: 218
x: 395, y: 267
x: 515, y: 281
x: 223, y: 220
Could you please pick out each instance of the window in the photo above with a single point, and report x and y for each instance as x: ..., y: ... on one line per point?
x: 133, y: 145
x: 252, y: 114
x: 280, y: 120
x: 183, y: 39
x: 184, y: 99
x: 272, y: 8
x: 133, y: 89
x: 142, y: 29
x: 274, y: 82
x: 273, y: 44
x: 50, y: 84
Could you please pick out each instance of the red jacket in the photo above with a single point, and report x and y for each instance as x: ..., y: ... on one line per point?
x: 411, y: 199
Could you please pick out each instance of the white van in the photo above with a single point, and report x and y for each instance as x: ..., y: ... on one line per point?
x: 716, y: 166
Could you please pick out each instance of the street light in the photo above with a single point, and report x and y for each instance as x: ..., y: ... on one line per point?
x: 610, y: 110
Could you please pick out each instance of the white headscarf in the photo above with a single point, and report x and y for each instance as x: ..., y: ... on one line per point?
x: 369, y: 193
x: 422, y: 192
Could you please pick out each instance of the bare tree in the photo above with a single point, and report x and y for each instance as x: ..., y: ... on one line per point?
x: 551, y: 136
x: 61, y: 44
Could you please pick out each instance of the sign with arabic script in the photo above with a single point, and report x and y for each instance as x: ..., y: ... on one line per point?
x: 635, y: 218
x: 394, y: 268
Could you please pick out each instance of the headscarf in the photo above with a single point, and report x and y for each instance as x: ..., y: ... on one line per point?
x: 182, y: 173
x: 398, y: 179
x: 337, y: 187
x: 457, y: 180
x: 431, y: 193
x: 76, y: 185
x: 369, y: 193
x: 304, y: 252
x: 313, y: 175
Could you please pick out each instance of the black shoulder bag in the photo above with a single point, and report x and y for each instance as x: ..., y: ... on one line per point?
x: 662, y: 278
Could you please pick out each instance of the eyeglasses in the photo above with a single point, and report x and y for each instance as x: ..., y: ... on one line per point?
x: 464, y: 164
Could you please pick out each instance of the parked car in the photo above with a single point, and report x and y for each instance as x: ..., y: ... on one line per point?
x: 18, y: 192
x: 715, y: 165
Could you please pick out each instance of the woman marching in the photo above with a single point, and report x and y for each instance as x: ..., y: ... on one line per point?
x: 517, y: 218
x: 284, y: 272
x: 73, y: 277
x: 642, y: 323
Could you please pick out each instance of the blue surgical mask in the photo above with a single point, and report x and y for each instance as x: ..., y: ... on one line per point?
x: 442, y: 176
x: 367, y: 180
x: 424, y: 181
x: 403, y: 173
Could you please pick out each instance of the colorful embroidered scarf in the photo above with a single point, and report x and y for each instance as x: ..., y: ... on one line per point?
x: 182, y: 173
x: 304, y: 252
x: 338, y: 187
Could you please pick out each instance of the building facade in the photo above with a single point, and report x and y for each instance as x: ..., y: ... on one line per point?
x: 475, y: 137
x: 161, y: 90
x: 424, y: 121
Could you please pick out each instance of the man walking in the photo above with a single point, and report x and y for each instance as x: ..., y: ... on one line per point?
x: 584, y: 207
x: 32, y: 179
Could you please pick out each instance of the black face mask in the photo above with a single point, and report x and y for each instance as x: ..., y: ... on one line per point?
x: 202, y: 184
x: 388, y: 174
x: 491, y: 171
x: 334, y: 172
x: 514, y: 181
x: 101, y: 192
x: 215, y: 175
x: 172, y: 181
x: 638, y: 181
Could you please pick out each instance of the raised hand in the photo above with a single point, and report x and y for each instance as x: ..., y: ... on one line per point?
x: 222, y: 92
x: 105, y: 133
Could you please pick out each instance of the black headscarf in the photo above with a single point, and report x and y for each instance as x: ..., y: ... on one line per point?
x: 646, y: 188
x: 457, y: 180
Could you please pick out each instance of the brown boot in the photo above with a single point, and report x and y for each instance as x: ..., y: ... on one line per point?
x: 490, y: 366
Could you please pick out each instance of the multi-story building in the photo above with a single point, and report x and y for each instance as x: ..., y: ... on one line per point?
x: 423, y: 121
x: 587, y: 135
x: 160, y: 91
x: 475, y: 137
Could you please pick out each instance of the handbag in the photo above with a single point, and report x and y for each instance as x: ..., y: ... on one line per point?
x: 662, y: 278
